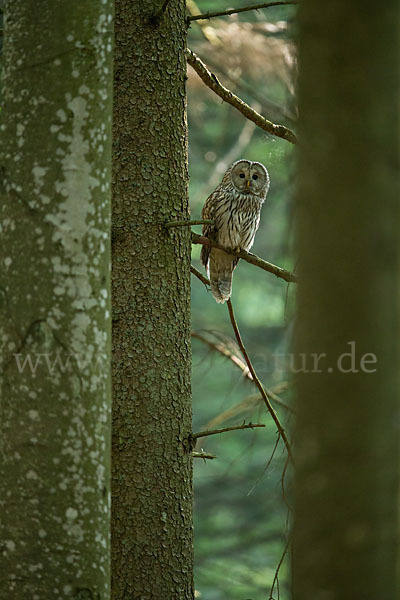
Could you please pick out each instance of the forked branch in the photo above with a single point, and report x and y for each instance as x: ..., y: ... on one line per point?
x: 214, y: 84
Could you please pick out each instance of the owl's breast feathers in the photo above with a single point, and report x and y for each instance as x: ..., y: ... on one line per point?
x: 236, y: 217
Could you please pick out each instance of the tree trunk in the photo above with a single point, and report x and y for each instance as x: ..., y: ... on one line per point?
x: 152, y: 466
x: 55, y: 162
x: 346, y: 517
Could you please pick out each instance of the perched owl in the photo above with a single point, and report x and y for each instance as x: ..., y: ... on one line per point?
x: 235, y: 207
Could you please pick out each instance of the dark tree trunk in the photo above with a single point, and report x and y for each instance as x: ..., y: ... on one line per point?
x: 152, y: 466
x: 347, y: 450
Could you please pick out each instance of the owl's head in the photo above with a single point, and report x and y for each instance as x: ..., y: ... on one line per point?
x: 249, y: 177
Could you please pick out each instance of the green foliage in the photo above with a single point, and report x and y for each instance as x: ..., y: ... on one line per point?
x: 240, y: 515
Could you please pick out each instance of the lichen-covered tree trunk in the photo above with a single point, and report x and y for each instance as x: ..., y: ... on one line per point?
x: 347, y: 451
x: 152, y: 466
x: 55, y: 162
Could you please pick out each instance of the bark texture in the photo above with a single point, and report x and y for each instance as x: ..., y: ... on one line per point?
x: 346, y: 521
x: 55, y: 162
x: 152, y: 467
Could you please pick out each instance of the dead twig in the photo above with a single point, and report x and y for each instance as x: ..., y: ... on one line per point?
x: 257, y: 381
x: 278, y: 437
x: 203, y: 455
x: 276, y: 580
x: 195, y: 436
x: 248, y: 257
x: 234, y: 11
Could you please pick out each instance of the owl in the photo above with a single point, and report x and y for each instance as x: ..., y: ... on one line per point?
x: 235, y: 207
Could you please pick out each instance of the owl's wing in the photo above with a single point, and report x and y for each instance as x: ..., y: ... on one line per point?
x: 208, y: 231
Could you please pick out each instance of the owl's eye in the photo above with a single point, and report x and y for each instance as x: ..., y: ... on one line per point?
x: 242, y: 175
x: 255, y: 177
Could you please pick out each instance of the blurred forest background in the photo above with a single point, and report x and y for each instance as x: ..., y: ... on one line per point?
x: 241, y: 515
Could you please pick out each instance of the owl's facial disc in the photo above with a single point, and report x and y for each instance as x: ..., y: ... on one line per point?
x: 250, y: 178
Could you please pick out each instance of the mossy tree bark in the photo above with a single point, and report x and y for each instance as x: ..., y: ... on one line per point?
x: 55, y: 161
x: 347, y: 450
x: 152, y: 466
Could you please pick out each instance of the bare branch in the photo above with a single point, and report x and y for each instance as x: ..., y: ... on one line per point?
x: 248, y: 257
x: 199, y: 275
x: 257, y: 381
x: 188, y: 223
x: 202, y: 455
x: 222, y: 349
x: 216, y: 431
x: 276, y: 576
x: 233, y: 11
x: 214, y: 84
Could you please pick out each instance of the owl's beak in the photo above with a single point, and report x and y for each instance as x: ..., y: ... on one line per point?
x: 248, y: 183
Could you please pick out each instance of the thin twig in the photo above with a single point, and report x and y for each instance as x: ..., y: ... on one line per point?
x: 278, y: 437
x: 214, y: 84
x: 248, y: 257
x: 233, y: 11
x: 283, y: 484
x: 217, y: 431
x: 199, y: 275
x: 276, y: 580
x: 221, y: 348
x: 257, y: 381
x: 188, y: 223
x: 203, y: 455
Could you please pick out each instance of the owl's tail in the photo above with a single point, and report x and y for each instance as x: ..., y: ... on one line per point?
x: 221, y: 267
